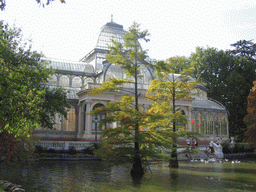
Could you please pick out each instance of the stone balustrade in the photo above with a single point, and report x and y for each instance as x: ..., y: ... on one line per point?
x: 64, y: 145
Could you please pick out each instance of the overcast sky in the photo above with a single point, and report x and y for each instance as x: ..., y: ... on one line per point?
x: 69, y: 31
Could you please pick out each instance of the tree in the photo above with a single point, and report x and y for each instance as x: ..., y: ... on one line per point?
x: 178, y: 64
x: 3, y: 3
x: 250, y: 118
x: 243, y: 48
x: 25, y: 100
x: 168, y: 88
x: 229, y: 80
x: 8, y: 144
x: 130, y: 57
x: 138, y: 133
x: 19, y: 150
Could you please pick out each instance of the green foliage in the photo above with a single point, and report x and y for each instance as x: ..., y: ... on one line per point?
x: 38, y: 149
x: 24, y: 151
x: 17, y: 150
x: 51, y: 151
x: 141, y: 133
x: 164, y: 92
x: 72, y: 150
x: 25, y: 101
x: 229, y: 80
x: 130, y: 139
x: 243, y: 48
x: 237, y: 148
x: 178, y: 64
x: 119, y: 141
x: 88, y: 151
x: 48, y: 2
x: 226, y: 147
x: 3, y: 3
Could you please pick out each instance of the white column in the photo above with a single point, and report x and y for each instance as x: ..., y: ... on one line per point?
x: 80, y: 119
x: 88, y: 120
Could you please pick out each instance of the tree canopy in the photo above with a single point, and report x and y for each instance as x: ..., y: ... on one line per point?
x: 140, y: 133
x: 244, y: 48
x: 229, y: 80
x: 173, y: 83
x: 25, y: 100
x: 126, y: 137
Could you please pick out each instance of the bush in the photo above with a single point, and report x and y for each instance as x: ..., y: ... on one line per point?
x: 91, y: 149
x: 50, y: 150
x: 72, y: 150
x: 88, y: 151
x: 226, y: 147
x: 39, y: 149
x: 238, y: 148
x: 250, y: 148
x: 96, y: 146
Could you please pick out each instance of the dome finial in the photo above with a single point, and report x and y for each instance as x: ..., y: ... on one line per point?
x: 111, y: 17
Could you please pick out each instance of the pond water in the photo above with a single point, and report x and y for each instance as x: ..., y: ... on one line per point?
x: 67, y: 176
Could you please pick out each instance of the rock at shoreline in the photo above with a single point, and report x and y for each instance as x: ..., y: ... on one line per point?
x: 11, y: 186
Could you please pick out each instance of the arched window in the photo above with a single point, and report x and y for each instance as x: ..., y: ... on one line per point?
x: 210, y: 127
x: 77, y: 82
x: 217, y: 127
x: 64, y: 81
x: 89, y: 80
x: 224, y: 126
x: 198, y: 122
x: 97, y: 118
x: 202, y: 124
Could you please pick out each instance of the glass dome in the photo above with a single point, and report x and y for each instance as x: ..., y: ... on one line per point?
x: 109, y: 31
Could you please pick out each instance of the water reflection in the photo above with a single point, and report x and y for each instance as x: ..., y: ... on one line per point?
x: 104, y: 176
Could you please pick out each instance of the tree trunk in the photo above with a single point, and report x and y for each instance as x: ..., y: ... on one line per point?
x: 137, y: 169
x: 174, y: 156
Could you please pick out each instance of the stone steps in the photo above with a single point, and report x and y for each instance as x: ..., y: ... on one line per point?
x: 195, y: 156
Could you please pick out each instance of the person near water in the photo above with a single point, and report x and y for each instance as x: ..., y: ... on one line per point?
x: 188, y: 142
x: 196, y: 143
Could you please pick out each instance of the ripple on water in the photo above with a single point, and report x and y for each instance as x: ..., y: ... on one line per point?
x: 104, y: 176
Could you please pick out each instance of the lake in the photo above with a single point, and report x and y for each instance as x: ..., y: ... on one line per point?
x: 58, y: 176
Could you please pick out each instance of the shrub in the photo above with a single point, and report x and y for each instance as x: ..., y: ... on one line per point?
x: 72, y: 150
x: 88, y: 151
x: 50, y: 150
x: 39, y: 149
x: 250, y: 148
x: 226, y: 147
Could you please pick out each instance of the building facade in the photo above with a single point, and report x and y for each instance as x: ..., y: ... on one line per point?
x: 206, y: 116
